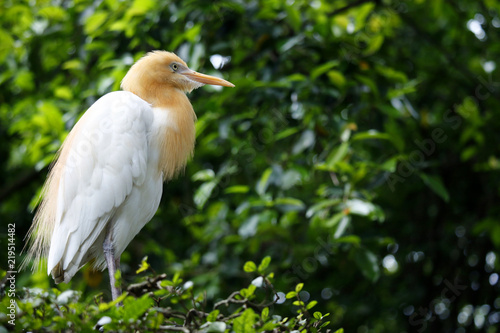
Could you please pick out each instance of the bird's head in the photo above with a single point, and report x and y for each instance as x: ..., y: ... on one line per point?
x: 161, y: 70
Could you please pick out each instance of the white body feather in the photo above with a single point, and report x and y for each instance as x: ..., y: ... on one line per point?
x: 110, y: 179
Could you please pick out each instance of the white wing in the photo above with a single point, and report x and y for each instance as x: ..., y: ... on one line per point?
x: 104, y: 157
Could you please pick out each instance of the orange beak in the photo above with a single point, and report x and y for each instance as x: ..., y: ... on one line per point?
x: 207, y: 79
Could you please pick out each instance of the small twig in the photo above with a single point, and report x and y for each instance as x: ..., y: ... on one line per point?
x: 174, y: 328
x: 245, y: 301
x: 230, y: 299
x: 169, y: 313
x: 148, y: 285
x: 191, y: 316
x: 234, y: 315
x: 181, y: 302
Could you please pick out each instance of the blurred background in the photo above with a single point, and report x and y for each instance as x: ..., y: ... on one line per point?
x: 359, y: 149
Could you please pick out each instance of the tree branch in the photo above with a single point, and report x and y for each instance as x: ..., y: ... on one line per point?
x: 174, y: 328
x: 146, y: 286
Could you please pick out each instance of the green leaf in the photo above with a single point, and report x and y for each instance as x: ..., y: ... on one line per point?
x: 177, y: 278
x: 157, y: 321
x: 268, y: 327
x: 469, y: 110
x: 141, y: 7
x: 468, y: 153
x: 337, y: 154
x: 334, y: 220
x: 390, y: 164
x: 193, y: 33
x: 367, y: 262
x: 374, y: 45
x: 290, y: 203
x: 350, y: 239
x: 53, y: 13
x: 344, y: 222
x: 324, y: 204
x: 293, y: 17
x: 95, y: 21
x: 118, y: 278
x: 325, y: 324
x: 249, y: 227
x: 133, y: 308
x: 73, y: 64
x: 369, y: 83
x: 311, y: 305
x: 291, y: 294
x: 143, y: 266
x: 321, y: 69
x: 264, y: 264
x: 212, y: 316
x: 491, y: 227
x: 245, y: 322
x: 24, y: 80
x: 204, y: 175
x: 250, y: 267
x: 306, y: 141
x: 286, y: 133
x: 119, y: 25
x: 299, y: 287
x: 111, y: 304
x: 203, y: 193
x: 264, y: 182
x: 405, y: 89
x: 392, y: 73
x: 237, y: 189
x: 247, y: 292
x: 6, y: 45
x: 360, y: 14
x: 296, y: 77
x: 436, y: 184
x: 53, y: 118
x: 371, y: 134
x: 317, y: 315
x: 251, y: 289
x: 63, y: 93
x: 298, y: 303
x: 337, y: 78
x: 265, y: 313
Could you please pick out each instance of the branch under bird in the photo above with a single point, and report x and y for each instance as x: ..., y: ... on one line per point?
x: 107, y: 181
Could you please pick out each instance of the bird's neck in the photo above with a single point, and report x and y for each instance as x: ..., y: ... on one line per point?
x: 175, y: 131
x: 173, y: 134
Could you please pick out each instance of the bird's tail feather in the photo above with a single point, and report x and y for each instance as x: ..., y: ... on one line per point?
x: 37, y: 241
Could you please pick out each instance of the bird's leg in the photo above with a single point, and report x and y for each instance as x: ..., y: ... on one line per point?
x: 113, y: 264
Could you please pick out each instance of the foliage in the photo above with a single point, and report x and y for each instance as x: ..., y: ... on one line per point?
x: 166, y: 305
x: 359, y: 149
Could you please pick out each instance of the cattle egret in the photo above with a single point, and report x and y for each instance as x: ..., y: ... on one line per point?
x: 107, y: 181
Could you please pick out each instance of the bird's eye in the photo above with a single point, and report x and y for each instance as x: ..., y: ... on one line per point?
x: 174, y: 67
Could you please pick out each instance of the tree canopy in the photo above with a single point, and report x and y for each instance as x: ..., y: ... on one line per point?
x: 353, y: 170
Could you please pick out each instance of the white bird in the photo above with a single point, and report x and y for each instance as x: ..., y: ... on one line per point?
x: 108, y: 178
